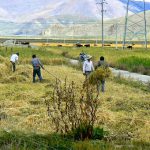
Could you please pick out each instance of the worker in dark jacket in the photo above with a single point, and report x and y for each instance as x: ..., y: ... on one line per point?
x: 101, y: 63
x: 37, y: 65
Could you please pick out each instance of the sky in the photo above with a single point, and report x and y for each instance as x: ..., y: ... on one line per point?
x: 12, y: 9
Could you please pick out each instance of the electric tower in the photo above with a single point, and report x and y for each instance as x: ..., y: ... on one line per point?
x: 135, y: 24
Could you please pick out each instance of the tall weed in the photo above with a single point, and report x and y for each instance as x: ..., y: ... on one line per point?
x: 73, y: 109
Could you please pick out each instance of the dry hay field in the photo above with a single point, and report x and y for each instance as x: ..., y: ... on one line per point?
x: 123, y: 111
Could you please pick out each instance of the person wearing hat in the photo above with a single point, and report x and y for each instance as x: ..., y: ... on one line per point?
x: 14, y: 59
x: 88, y: 66
x: 101, y: 63
x: 37, y: 65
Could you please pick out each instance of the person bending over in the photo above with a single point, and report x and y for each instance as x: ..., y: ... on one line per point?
x: 14, y: 59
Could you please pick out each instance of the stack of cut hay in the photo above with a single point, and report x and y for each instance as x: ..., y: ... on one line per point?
x: 22, y: 74
x: 99, y: 74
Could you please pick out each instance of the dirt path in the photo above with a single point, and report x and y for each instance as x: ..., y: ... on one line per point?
x: 134, y: 76
x: 123, y: 73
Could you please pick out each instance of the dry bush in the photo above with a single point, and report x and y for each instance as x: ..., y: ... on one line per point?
x: 72, y: 109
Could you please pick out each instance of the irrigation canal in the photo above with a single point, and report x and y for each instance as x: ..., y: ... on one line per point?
x: 122, y: 73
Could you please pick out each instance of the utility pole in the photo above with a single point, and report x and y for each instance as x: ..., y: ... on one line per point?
x: 125, y: 27
x: 116, y: 26
x: 47, y: 40
x: 102, y: 2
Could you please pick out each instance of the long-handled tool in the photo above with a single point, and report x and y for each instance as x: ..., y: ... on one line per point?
x: 51, y: 74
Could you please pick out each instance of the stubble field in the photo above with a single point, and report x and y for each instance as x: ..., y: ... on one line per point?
x: 123, y: 112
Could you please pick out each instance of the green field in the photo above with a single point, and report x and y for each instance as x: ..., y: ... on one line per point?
x: 123, y: 111
x: 136, y: 60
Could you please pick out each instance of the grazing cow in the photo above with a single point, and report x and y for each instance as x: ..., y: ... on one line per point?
x: 25, y: 43
x: 107, y: 44
x: 87, y: 45
x: 95, y: 44
x: 59, y: 45
x: 79, y: 45
x: 130, y: 47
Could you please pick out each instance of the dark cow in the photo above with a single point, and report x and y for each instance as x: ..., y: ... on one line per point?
x: 87, y: 45
x: 79, y: 45
x: 130, y: 47
x: 107, y: 44
x: 59, y: 45
x: 25, y: 43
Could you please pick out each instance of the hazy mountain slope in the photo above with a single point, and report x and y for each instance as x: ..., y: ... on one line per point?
x: 36, y: 17
x: 93, y: 29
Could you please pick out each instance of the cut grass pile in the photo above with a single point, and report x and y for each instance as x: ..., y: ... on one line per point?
x: 21, y: 75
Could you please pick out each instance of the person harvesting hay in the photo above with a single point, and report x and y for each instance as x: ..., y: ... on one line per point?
x: 14, y: 59
x: 88, y: 66
x: 37, y: 65
x: 101, y: 72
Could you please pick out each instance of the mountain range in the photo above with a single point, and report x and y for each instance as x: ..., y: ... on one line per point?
x: 19, y: 17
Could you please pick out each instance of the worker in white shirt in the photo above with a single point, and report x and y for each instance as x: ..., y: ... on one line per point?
x: 88, y: 66
x: 14, y: 59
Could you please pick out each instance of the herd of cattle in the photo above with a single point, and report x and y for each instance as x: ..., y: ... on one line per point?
x: 88, y: 45
x: 78, y: 44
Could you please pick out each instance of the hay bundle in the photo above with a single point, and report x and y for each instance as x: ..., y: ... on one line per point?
x: 100, y: 74
x: 23, y: 74
x: 3, y: 70
x: 2, y: 59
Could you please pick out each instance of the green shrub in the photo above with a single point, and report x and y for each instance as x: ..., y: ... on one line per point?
x: 21, y: 141
x: 135, y: 64
x: 98, y: 133
x: 82, y: 132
